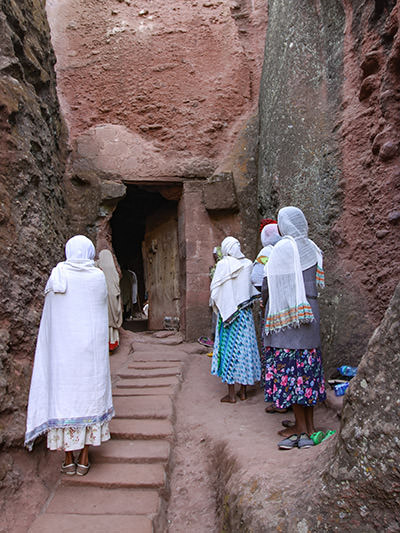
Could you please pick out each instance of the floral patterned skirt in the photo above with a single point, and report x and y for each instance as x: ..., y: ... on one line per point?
x: 293, y: 376
x: 75, y: 438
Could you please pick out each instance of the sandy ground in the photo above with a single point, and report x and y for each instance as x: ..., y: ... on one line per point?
x: 250, y: 435
x: 206, y: 432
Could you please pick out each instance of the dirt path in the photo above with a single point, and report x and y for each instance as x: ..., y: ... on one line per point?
x: 177, y: 455
x: 225, y: 451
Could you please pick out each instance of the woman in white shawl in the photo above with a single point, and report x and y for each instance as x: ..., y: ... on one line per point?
x: 235, y: 356
x: 107, y: 265
x: 70, y: 395
x: 291, y: 336
x: 269, y: 237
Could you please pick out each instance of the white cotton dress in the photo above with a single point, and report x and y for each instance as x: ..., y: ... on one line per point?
x: 70, y: 397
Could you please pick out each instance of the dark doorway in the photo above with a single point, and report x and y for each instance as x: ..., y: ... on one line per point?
x: 144, y: 238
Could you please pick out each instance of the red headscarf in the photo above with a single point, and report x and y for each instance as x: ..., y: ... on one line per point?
x: 265, y: 221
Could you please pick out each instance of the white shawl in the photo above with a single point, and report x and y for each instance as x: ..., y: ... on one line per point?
x: 107, y: 265
x: 288, y: 305
x: 269, y: 237
x: 71, y: 383
x: 231, y: 287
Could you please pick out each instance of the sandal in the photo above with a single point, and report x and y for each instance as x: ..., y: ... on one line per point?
x: 206, y: 341
x: 289, y: 443
x: 329, y: 434
x: 272, y: 409
x: 70, y: 470
x: 317, y: 437
x: 288, y: 423
x: 82, y: 470
x: 305, y: 441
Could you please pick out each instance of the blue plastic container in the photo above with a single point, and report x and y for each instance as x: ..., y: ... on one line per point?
x: 341, y: 388
x: 349, y: 371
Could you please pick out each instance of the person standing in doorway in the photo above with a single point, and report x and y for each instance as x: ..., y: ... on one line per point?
x: 235, y: 356
x: 107, y: 265
x: 294, y: 375
x: 70, y: 394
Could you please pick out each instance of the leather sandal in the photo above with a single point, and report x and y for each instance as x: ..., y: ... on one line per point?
x: 272, y: 409
x: 70, y: 470
x: 82, y: 470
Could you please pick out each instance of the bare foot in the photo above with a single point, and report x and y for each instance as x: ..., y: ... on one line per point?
x: 288, y: 431
x: 228, y: 399
x: 242, y: 395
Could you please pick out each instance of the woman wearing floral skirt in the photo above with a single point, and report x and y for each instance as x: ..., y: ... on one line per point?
x: 235, y: 356
x: 291, y: 337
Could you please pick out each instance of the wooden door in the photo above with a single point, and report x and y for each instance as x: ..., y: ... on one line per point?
x: 161, y: 266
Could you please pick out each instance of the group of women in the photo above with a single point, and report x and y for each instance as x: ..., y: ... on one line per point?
x: 70, y: 396
x: 287, y: 272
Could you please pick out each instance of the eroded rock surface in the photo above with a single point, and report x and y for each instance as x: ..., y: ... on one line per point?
x: 33, y: 219
x: 361, y: 487
x: 329, y: 143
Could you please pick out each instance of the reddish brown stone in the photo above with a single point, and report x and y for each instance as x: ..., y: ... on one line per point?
x: 388, y: 151
x: 368, y: 86
x: 140, y: 429
x: 118, y: 475
x: 103, y: 501
x: 64, y: 523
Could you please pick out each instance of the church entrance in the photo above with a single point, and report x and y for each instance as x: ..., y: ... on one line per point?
x: 145, y: 240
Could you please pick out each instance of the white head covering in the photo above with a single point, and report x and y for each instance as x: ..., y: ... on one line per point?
x: 270, y: 235
x: 231, y: 288
x: 79, y: 247
x: 291, y: 221
x: 288, y: 305
x: 231, y: 246
x: 79, y: 253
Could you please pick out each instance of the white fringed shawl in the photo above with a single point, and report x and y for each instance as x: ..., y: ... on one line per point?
x: 288, y: 305
x: 71, y: 383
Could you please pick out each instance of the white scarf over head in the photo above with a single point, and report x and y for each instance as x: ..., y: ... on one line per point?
x: 79, y: 253
x: 292, y: 222
x: 71, y: 383
x: 288, y: 305
x: 107, y: 265
x: 269, y: 237
x: 231, y: 288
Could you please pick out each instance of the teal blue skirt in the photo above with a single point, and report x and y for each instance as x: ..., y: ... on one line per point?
x: 235, y: 356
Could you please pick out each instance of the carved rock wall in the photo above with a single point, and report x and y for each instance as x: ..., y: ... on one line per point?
x: 175, y: 78
x: 33, y: 219
x: 329, y: 143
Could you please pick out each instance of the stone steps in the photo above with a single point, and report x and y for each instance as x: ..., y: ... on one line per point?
x: 132, y: 451
x: 125, y: 486
x: 143, y: 407
x: 66, y: 523
x: 145, y: 391
x: 68, y: 499
x: 117, y: 475
x: 121, y: 428
x: 151, y: 372
x: 146, y: 382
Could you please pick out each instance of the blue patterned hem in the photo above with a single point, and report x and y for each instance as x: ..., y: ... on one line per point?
x: 235, y: 355
x: 60, y: 423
